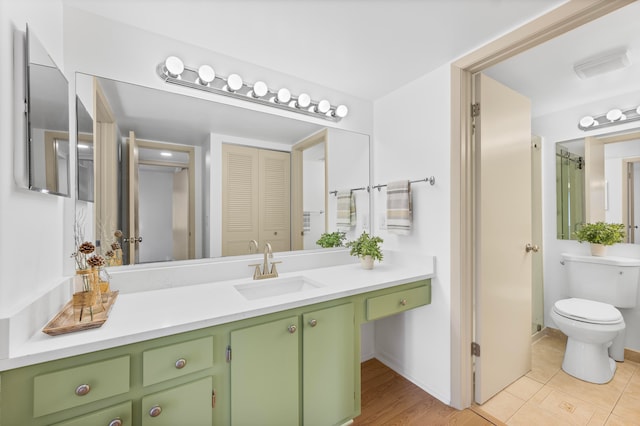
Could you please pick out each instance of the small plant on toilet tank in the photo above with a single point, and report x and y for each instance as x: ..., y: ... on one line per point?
x: 600, y: 235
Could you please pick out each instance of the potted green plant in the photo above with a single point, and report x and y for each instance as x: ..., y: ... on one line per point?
x: 367, y: 248
x: 600, y: 235
x: 331, y: 239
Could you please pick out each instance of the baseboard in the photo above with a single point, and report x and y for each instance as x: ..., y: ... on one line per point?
x: 631, y: 355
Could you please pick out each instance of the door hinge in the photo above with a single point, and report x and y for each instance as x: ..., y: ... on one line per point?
x: 475, y: 349
x: 475, y: 110
x: 213, y: 398
x: 228, y: 353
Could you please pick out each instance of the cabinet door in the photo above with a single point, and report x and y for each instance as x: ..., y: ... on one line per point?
x: 188, y: 404
x: 265, y: 374
x: 328, y: 365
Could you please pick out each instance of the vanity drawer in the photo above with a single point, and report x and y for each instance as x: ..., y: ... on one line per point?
x: 118, y: 415
x: 80, y: 385
x: 176, y: 360
x: 400, y: 301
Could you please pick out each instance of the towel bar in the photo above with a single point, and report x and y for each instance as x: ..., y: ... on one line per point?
x: 431, y: 180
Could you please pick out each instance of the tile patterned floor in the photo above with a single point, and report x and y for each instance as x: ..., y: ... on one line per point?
x: 549, y: 396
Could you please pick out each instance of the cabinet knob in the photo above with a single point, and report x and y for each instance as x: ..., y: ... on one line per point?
x: 116, y: 422
x: 181, y: 363
x: 292, y: 328
x: 403, y: 302
x: 155, y: 411
x: 313, y: 322
x: 82, y: 390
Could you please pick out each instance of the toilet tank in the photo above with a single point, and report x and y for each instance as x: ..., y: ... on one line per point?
x: 612, y: 280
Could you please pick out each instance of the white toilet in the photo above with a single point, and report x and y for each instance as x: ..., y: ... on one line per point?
x: 593, y: 325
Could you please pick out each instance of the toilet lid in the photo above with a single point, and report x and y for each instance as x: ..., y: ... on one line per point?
x: 588, y: 311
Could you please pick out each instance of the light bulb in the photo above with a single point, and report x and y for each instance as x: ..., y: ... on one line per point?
x: 283, y: 96
x: 587, y: 121
x: 234, y: 83
x: 303, y: 101
x: 259, y: 89
x: 206, y: 75
x: 614, y: 115
x: 173, y: 66
x: 323, y: 106
x: 341, y: 111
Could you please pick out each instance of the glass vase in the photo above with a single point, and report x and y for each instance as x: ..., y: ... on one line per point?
x: 86, y: 295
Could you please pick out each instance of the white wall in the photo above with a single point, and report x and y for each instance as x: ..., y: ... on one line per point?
x: 557, y: 127
x: 411, y: 141
x: 32, y: 252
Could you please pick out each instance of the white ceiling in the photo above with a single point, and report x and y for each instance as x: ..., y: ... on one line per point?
x: 545, y: 73
x: 364, y: 48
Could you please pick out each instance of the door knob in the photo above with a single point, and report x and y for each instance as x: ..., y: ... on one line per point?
x: 133, y: 240
x: 531, y: 248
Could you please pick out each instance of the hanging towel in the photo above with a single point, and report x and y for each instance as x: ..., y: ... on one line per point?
x: 346, y: 210
x: 399, y: 209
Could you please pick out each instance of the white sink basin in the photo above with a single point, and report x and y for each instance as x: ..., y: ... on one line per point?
x: 269, y: 287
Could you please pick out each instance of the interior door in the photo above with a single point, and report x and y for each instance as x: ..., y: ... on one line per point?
x: 503, y: 229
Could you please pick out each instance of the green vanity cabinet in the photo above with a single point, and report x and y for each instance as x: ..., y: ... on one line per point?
x: 329, y: 372
x: 265, y: 374
x: 267, y: 360
x: 298, y: 366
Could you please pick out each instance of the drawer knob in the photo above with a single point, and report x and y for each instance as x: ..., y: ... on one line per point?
x: 403, y: 302
x: 313, y: 322
x: 180, y: 364
x: 116, y: 422
x: 292, y: 328
x: 155, y: 411
x: 82, y: 390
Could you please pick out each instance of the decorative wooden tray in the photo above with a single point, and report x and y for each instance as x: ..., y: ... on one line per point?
x: 64, y: 321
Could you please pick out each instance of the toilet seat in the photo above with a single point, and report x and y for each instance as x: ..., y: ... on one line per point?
x: 588, y: 311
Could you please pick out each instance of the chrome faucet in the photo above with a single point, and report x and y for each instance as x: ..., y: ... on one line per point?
x: 267, y: 272
x: 252, y: 244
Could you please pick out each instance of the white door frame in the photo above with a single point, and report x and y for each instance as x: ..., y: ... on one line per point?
x: 560, y: 20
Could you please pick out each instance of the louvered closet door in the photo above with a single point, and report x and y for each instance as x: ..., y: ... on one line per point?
x: 239, y: 199
x: 275, y: 199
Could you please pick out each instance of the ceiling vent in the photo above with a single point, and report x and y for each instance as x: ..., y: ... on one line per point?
x: 602, y: 63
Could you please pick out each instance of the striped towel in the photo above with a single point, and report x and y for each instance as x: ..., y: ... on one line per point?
x: 306, y: 221
x: 399, y: 209
x: 346, y: 209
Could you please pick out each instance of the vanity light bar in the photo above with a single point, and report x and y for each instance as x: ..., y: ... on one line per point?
x: 611, y: 118
x: 173, y: 71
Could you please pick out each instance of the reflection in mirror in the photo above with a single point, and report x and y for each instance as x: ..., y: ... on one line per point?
x: 569, y: 188
x: 187, y: 178
x: 47, y: 121
x: 621, y: 182
x: 84, y: 153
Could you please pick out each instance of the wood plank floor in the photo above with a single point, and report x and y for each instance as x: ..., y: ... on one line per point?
x: 390, y: 399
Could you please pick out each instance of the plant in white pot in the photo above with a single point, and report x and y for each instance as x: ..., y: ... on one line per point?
x: 367, y: 248
x: 600, y: 235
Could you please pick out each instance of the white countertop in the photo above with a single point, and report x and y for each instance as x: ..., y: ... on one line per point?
x: 146, y: 315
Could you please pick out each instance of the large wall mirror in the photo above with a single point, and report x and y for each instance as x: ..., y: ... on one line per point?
x: 47, y: 110
x: 187, y: 178
x: 598, y: 178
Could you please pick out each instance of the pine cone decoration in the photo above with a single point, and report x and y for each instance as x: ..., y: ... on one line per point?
x: 115, y: 246
x: 86, y: 248
x: 96, y: 261
x: 109, y: 254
